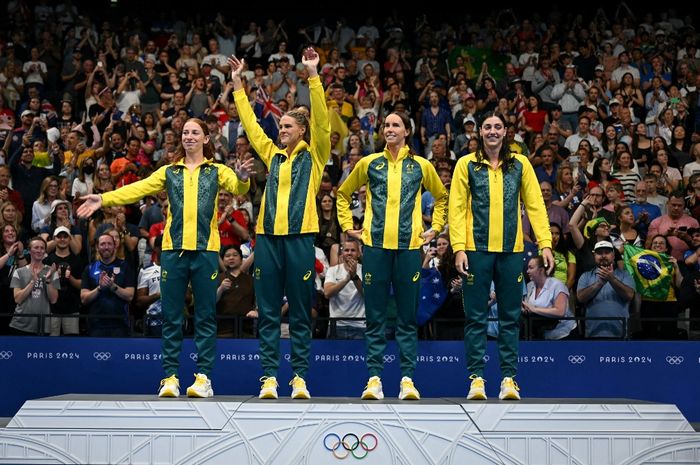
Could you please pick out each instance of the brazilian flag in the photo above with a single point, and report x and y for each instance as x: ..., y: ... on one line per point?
x: 652, y: 273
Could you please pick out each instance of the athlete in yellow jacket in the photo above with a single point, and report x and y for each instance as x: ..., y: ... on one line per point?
x: 392, y: 234
x: 487, y: 238
x: 288, y: 222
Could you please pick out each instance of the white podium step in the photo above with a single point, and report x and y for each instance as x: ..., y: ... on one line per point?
x: 114, y: 429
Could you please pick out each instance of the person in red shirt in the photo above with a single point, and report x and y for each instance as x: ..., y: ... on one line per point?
x: 233, y: 227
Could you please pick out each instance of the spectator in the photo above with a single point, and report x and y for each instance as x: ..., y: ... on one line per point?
x: 605, y: 291
x: 235, y: 297
x: 8, y: 194
x: 549, y: 298
x: 13, y: 256
x: 107, y: 288
x: 659, y: 318
x: 343, y: 289
x: 644, y: 212
x: 564, y: 257
x: 35, y: 287
x: 69, y: 266
x: 674, y: 225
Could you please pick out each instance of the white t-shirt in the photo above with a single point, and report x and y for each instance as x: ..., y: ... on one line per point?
x: 551, y: 290
x: 33, y: 70
x: 150, y: 278
x: 348, y: 303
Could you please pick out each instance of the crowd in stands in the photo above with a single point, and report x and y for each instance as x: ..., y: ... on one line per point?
x: 605, y: 106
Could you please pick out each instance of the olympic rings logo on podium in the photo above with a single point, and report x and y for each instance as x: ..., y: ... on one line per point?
x: 5, y: 354
x: 102, y: 356
x: 359, y: 447
x: 674, y: 359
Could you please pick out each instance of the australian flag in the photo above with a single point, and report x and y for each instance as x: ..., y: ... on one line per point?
x: 268, y: 113
x: 433, y: 294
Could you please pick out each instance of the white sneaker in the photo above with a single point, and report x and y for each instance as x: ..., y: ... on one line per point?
x: 201, y: 387
x: 269, y: 388
x: 509, y: 389
x: 169, y: 387
x: 299, y: 390
x: 373, y: 390
x: 476, y: 389
x: 408, y: 390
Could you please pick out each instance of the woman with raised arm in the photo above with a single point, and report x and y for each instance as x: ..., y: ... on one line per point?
x: 190, y: 245
x: 287, y: 224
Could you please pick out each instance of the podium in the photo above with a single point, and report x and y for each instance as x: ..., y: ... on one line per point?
x: 136, y: 429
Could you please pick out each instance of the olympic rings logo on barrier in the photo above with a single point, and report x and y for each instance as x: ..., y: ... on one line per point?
x: 674, y: 359
x: 102, y: 356
x: 577, y: 359
x: 389, y: 358
x: 193, y: 356
x: 350, y: 444
x: 486, y: 358
x: 5, y: 354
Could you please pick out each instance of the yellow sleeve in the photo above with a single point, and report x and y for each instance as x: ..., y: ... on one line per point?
x: 319, y: 124
x: 531, y: 194
x: 457, y: 210
x: 262, y: 144
x: 133, y: 192
x: 432, y: 182
x: 357, y: 178
x: 228, y: 179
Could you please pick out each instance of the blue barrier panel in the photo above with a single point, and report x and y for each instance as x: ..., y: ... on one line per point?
x: 35, y: 367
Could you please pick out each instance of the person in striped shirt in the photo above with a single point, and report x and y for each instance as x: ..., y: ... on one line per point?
x: 487, y: 238
x: 287, y: 224
x: 392, y: 235
x: 190, y: 245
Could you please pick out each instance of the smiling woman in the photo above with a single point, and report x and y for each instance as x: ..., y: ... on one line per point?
x: 486, y: 234
x: 392, y: 238
x: 190, y: 245
x: 288, y: 223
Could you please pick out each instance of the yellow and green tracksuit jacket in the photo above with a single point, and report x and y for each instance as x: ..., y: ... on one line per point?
x: 484, y: 209
x: 393, y: 219
x: 193, y: 201
x: 288, y: 205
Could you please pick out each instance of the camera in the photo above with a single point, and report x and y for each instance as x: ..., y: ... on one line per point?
x: 433, y: 244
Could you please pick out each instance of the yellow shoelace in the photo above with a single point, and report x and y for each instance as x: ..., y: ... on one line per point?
x: 200, y: 380
x: 268, y: 382
x: 407, y: 384
x: 477, y: 381
x: 372, y: 383
x: 510, y: 382
x: 297, y: 382
x: 169, y: 378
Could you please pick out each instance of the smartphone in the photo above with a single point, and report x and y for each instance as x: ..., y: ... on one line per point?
x: 433, y: 244
x: 99, y: 64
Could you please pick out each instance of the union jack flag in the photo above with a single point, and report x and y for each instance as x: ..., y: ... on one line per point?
x: 268, y: 113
